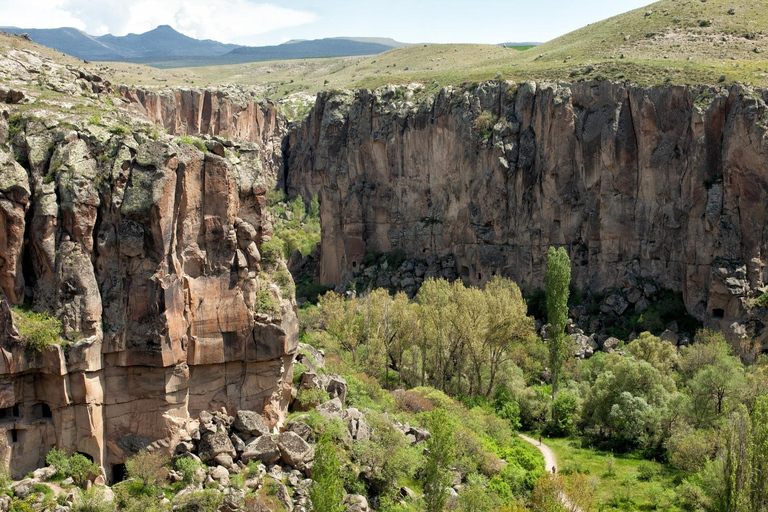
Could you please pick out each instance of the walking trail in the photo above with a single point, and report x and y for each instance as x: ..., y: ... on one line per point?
x: 550, y: 461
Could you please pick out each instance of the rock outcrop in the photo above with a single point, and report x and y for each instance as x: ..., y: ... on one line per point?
x: 148, y: 252
x: 663, y: 183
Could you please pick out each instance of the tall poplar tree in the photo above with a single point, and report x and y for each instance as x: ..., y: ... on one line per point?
x: 557, y: 283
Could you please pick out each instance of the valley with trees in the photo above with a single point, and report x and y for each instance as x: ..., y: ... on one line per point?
x: 387, y: 277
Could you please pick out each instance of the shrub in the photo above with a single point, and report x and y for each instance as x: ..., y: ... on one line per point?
x: 312, y: 396
x: 410, y: 401
x: 59, y: 460
x: 80, y: 467
x: 187, y: 466
x: 272, y: 250
x: 207, y: 500
x: 193, y: 141
x: 119, y: 129
x: 646, y: 471
x: 146, y: 467
x: 267, y: 303
x: 92, y: 500
x: 95, y: 120
x: 37, y: 330
x: 484, y: 124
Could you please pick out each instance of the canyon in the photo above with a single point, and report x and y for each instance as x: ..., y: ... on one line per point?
x: 150, y: 251
x: 660, y: 185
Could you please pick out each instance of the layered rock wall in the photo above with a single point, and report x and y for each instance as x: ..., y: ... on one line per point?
x: 665, y: 183
x: 148, y: 252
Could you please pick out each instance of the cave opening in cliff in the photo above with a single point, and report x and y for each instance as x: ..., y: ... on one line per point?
x: 42, y: 410
x: 9, y: 412
x: 464, y: 272
x: 89, y: 457
x: 718, y: 313
x: 118, y: 473
x: 15, y: 435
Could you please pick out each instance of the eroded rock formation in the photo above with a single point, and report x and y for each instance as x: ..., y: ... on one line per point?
x: 665, y: 183
x: 149, y: 254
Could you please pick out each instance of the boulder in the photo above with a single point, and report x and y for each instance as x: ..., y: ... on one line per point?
x: 331, y: 409
x: 302, y: 429
x: 670, y: 336
x: 21, y: 489
x: 250, y: 422
x: 293, y: 449
x: 214, y: 444
x: 221, y: 475
x: 610, y: 344
x: 44, y: 474
x: 356, y: 503
x: 261, y: 448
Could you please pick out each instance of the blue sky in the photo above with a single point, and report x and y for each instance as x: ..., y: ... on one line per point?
x: 258, y: 23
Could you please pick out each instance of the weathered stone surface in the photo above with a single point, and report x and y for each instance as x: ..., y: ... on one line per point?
x: 250, y: 422
x: 621, y: 176
x: 293, y: 449
x: 132, y: 244
x: 331, y: 408
x: 263, y: 449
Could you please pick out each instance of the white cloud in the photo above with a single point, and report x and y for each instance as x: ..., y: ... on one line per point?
x: 37, y: 14
x: 230, y: 21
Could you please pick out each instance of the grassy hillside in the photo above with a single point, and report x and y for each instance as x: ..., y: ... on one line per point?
x: 671, y: 41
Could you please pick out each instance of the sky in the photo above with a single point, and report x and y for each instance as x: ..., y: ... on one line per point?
x: 254, y: 22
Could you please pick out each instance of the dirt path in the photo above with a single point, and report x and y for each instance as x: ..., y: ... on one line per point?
x: 550, y: 461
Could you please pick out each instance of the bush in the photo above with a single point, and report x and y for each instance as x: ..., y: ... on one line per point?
x: 146, y: 467
x: 92, y: 500
x: 410, y: 401
x: 59, y: 460
x: 484, y: 124
x: 187, y: 466
x: 646, y: 471
x: 312, y: 396
x: 272, y: 250
x: 208, y: 500
x: 80, y: 467
x: 193, y: 141
x: 267, y: 303
x: 37, y: 330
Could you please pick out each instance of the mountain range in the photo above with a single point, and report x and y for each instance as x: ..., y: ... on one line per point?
x: 166, y: 47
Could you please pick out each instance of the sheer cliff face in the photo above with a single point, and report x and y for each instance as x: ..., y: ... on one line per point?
x: 663, y: 183
x: 148, y: 253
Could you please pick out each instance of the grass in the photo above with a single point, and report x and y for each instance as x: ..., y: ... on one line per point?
x: 625, y: 487
x: 38, y: 331
x: 668, y: 42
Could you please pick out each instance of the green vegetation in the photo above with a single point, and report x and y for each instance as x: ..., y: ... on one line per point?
x: 296, y: 225
x: 193, y: 141
x: 558, y: 281
x: 77, y: 467
x: 484, y: 124
x: 328, y: 489
x: 37, y: 330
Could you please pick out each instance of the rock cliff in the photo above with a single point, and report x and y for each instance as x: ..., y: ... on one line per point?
x: 149, y: 254
x: 666, y: 184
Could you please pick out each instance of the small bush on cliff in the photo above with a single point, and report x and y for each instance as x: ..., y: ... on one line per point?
x: 484, y: 124
x: 37, y: 330
x: 187, y: 466
x: 272, y: 250
x: 193, y: 141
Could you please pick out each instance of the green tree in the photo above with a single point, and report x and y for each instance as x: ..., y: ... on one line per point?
x: 327, y: 492
x: 440, y: 455
x: 80, y: 467
x: 557, y: 288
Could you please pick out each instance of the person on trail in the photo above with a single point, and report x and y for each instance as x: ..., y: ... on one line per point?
x: 554, y: 470
x: 539, y: 440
